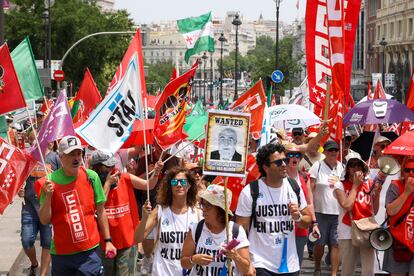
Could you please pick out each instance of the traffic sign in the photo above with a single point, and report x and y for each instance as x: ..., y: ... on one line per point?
x: 59, y: 75
x: 277, y: 76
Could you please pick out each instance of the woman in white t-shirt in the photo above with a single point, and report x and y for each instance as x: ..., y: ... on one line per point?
x: 356, y: 203
x: 172, y: 217
x: 202, y: 254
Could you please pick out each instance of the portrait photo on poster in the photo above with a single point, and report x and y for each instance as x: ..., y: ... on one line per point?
x: 226, y: 143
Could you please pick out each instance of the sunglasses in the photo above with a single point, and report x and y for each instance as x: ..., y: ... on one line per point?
x: 333, y: 150
x: 280, y: 162
x: 383, y: 146
x: 206, y: 205
x: 197, y: 171
x: 297, y: 133
x: 295, y: 154
x: 409, y: 170
x: 175, y: 182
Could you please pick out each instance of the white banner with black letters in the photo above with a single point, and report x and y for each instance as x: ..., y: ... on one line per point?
x: 110, y: 124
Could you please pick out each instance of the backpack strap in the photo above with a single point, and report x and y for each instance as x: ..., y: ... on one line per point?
x: 235, y: 230
x: 254, y: 192
x: 199, y: 228
x: 296, y: 188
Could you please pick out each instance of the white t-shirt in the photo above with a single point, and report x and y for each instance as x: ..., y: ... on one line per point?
x: 273, y: 217
x: 172, y: 232
x: 344, y: 231
x: 210, y: 243
x: 323, y: 198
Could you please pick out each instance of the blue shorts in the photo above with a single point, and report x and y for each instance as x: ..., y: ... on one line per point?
x: 31, y: 226
x: 86, y: 263
x: 328, y: 226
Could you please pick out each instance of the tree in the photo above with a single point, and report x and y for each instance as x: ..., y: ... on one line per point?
x: 159, y: 75
x: 71, y: 20
x: 260, y: 62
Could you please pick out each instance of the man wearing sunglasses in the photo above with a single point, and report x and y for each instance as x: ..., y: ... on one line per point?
x: 380, y: 144
x: 298, y: 136
x: 347, y: 152
x: 277, y: 209
x: 323, y: 177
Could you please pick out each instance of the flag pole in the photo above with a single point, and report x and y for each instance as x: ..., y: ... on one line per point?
x: 229, y: 266
x: 38, y: 144
x: 145, y: 148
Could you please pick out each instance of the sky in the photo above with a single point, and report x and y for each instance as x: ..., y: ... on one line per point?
x: 148, y: 11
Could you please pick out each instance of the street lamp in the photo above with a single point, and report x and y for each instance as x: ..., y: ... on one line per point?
x: 204, y: 57
x: 222, y: 39
x: 211, y: 79
x: 236, y: 22
x: 277, y: 2
x: 199, y: 87
x: 383, y: 43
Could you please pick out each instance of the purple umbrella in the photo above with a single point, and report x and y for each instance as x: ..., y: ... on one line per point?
x: 378, y: 111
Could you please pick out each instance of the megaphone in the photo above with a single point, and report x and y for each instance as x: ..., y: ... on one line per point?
x: 381, y: 239
x: 388, y: 166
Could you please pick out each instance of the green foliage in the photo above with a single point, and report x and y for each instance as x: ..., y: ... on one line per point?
x: 260, y: 62
x: 159, y: 75
x: 71, y: 20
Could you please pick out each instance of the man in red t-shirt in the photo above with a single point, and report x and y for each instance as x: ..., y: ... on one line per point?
x: 121, y: 209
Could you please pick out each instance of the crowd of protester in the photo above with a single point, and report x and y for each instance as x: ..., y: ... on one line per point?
x: 95, y: 218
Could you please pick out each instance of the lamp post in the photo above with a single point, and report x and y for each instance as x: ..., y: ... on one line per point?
x: 204, y: 57
x: 277, y: 2
x: 222, y: 39
x: 383, y: 43
x: 236, y: 22
x: 211, y: 79
x: 199, y: 87
x: 1, y: 23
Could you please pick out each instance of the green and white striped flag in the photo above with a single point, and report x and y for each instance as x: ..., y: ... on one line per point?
x: 198, y: 34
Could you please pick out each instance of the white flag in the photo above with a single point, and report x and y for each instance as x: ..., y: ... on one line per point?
x: 110, y: 124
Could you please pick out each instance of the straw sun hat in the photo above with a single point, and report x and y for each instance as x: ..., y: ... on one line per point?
x: 214, y: 194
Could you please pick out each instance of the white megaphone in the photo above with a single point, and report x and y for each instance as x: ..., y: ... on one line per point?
x: 388, y: 166
x: 381, y: 239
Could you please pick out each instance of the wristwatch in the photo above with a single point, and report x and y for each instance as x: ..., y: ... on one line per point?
x: 108, y: 240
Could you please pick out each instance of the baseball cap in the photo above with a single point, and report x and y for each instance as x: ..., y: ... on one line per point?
x: 69, y: 144
x: 99, y: 157
x: 214, y: 194
x: 330, y: 145
x: 297, y: 129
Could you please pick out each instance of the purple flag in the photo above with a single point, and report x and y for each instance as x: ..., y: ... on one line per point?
x: 57, y: 125
x: 6, y: 4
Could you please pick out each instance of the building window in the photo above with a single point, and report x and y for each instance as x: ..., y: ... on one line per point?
x: 400, y: 28
x: 410, y: 27
x: 391, y: 30
x: 384, y: 30
x: 378, y: 32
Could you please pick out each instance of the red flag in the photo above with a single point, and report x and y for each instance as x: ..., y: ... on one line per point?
x: 46, y: 106
x: 253, y: 101
x: 170, y: 110
x: 15, y: 167
x: 379, y: 91
x: 88, y: 97
x: 326, y: 49
x: 409, y: 99
x: 11, y: 95
x: 369, y: 94
x: 174, y: 74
